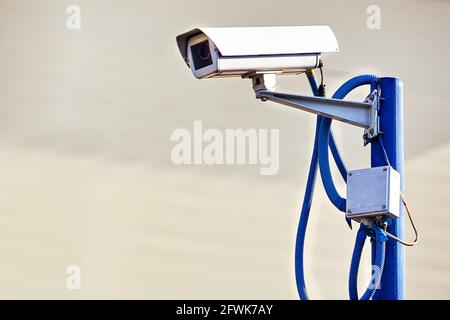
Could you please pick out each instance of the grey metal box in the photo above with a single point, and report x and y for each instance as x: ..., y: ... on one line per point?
x: 373, y: 192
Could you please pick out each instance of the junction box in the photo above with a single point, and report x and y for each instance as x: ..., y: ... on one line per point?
x: 373, y: 192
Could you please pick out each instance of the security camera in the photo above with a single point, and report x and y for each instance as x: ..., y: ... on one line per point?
x: 239, y: 52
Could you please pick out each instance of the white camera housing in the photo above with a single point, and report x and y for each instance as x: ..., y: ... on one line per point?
x: 240, y: 51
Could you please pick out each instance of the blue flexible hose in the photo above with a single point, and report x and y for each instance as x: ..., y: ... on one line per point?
x: 333, y: 147
x: 306, y: 207
x: 309, y: 193
x: 324, y: 140
x: 313, y: 83
x: 354, y: 266
x: 315, y: 159
x: 337, y: 157
x: 304, y: 216
x: 380, y: 253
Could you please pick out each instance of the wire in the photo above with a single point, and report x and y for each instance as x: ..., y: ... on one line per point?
x: 409, y: 244
x: 386, y: 158
x: 416, y: 232
x: 321, y: 76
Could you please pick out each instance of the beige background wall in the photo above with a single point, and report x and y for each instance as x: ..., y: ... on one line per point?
x: 85, y: 170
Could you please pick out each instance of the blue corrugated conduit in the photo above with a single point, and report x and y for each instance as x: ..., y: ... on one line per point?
x: 320, y: 159
x: 306, y: 207
x: 378, y: 240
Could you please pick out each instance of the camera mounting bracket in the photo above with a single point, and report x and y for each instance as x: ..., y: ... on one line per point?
x: 361, y: 114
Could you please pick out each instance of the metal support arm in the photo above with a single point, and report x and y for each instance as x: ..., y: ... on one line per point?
x: 361, y: 114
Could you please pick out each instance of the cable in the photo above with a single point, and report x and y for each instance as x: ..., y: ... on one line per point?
x: 390, y: 235
x: 320, y: 91
x: 324, y: 166
x: 380, y: 253
x: 386, y: 158
x: 337, y: 157
x: 416, y: 232
x: 324, y: 138
x: 321, y: 74
x: 332, y: 143
x: 306, y: 207
x: 378, y: 244
x: 354, y: 266
x: 309, y: 192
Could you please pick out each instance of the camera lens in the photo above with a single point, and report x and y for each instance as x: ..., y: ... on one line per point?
x: 201, y: 55
x: 204, y: 53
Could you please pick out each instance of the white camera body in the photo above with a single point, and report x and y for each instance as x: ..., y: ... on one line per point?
x: 240, y: 51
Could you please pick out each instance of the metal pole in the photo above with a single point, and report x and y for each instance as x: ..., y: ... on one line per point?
x: 391, y: 126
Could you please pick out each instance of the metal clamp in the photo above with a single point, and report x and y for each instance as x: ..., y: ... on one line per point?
x: 374, y: 129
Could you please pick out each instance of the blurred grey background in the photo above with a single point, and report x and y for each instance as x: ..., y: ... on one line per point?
x: 85, y: 172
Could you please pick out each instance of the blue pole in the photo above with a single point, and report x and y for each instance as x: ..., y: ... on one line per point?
x: 391, y: 126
